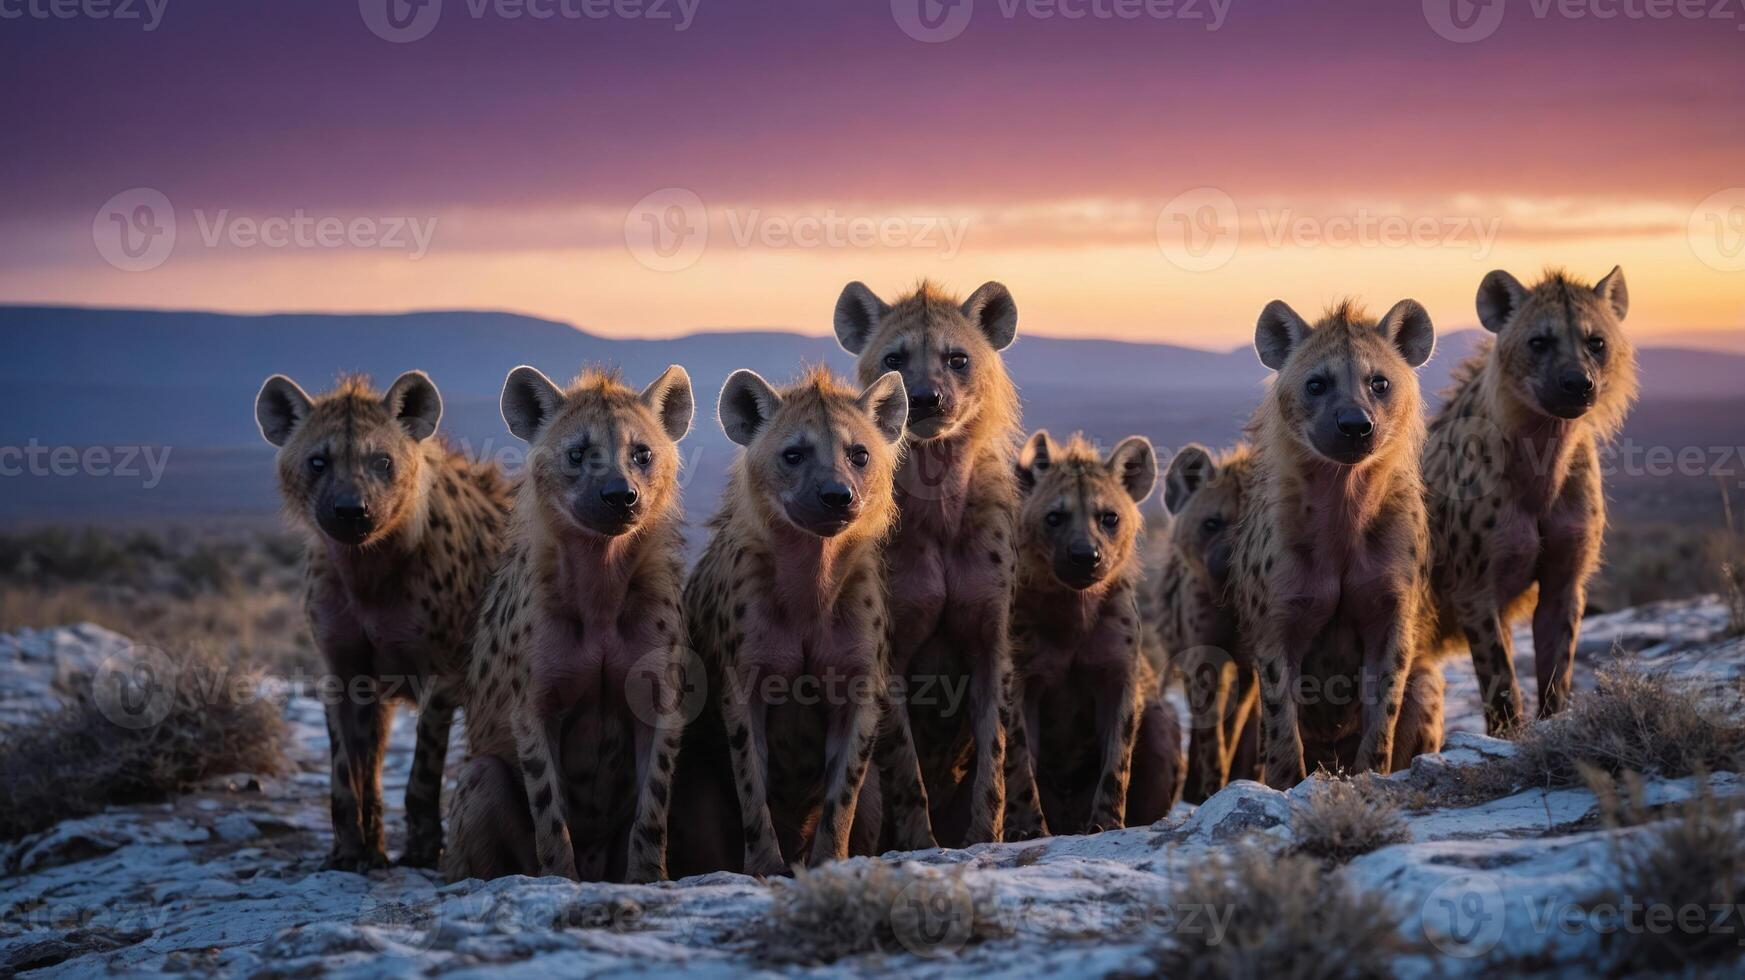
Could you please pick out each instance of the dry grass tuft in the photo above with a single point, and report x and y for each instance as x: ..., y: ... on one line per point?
x: 1633, y: 721
x: 1256, y: 914
x: 1340, y: 820
x: 107, y: 744
x: 863, y: 906
x: 1692, y: 866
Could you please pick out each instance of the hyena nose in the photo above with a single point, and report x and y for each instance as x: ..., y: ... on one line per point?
x: 1084, y: 554
x: 1354, y: 423
x: 618, y: 494
x: 1576, y: 383
x: 925, y: 399
x: 351, y: 510
x: 836, y: 496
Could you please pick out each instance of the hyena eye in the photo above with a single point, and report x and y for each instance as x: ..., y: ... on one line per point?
x: 1212, y: 525
x: 793, y: 457
x: 1316, y: 387
x: 859, y: 457
x: 1596, y: 344
x: 577, y: 454
x: 893, y: 361
x: 1111, y: 521
x: 958, y: 361
x: 642, y: 455
x: 318, y: 464
x: 1539, y: 345
x: 1379, y: 385
x: 1054, y: 518
x: 383, y: 465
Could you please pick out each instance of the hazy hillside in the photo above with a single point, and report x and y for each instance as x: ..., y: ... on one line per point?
x: 83, y: 377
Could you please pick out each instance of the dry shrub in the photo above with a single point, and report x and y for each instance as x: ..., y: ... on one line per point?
x: 1340, y: 821
x: 865, y: 906
x: 101, y: 748
x: 1633, y: 721
x: 1257, y: 914
x: 1694, y: 861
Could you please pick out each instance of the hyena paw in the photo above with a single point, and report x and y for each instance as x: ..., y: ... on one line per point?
x: 355, y: 860
x: 421, y: 853
x: 768, y: 865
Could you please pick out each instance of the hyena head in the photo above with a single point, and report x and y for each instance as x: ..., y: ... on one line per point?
x: 602, y: 458
x: 1080, y: 511
x: 351, y: 464
x: 818, y: 455
x: 1346, y: 387
x: 1205, y: 496
x: 947, y: 352
x: 1561, y: 345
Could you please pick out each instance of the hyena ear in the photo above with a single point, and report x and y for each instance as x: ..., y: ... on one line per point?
x: 1035, y: 458
x: 992, y: 309
x: 1500, y: 295
x: 1134, y: 463
x: 887, y: 401
x: 530, y: 400
x: 1614, y: 292
x: 747, y: 404
x: 279, y: 408
x: 1407, y: 326
x: 415, y: 403
x: 670, y: 398
x: 858, y: 313
x: 1189, y: 469
x: 1278, y: 332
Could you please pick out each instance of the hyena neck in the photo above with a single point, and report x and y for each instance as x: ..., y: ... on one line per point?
x: 810, y: 571
x: 933, y: 484
x: 1064, y: 611
x: 1538, y: 448
x: 1335, y: 504
x: 592, y: 575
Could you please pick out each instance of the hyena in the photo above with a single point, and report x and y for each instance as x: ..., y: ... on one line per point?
x: 1331, y: 560
x: 950, y: 560
x: 1206, y: 497
x: 403, y: 533
x: 574, y: 708
x: 787, y: 606
x: 1513, y: 479
x: 1093, y: 737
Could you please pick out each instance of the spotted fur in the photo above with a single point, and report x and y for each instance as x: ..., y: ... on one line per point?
x: 402, y: 534
x: 1517, y: 512
x: 577, y: 677
x: 950, y: 561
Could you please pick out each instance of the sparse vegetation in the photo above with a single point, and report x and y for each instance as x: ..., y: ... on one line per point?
x: 1257, y: 914
x: 193, y: 715
x: 1633, y: 721
x: 1694, y: 861
x: 863, y: 906
x: 237, y: 589
x: 1341, y: 820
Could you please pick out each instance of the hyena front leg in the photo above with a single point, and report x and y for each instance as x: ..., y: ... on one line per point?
x: 1118, y: 727
x: 358, y: 726
x: 987, y: 695
x: 536, y: 741
x: 1387, y: 660
x: 1209, y: 680
x: 424, y: 786
x: 903, y: 791
x: 847, y: 751
x: 657, y: 752
x: 1493, y: 660
x: 1281, y: 740
x: 1024, y: 818
x: 748, y: 743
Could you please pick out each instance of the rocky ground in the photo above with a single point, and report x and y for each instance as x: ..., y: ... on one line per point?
x: 227, y: 879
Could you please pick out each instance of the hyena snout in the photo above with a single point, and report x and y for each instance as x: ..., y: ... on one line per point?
x: 1079, y: 564
x: 1346, y: 434
x: 610, y: 505
x: 346, y: 517
x: 827, y: 509
x: 1571, y: 395
x: 620, y: 496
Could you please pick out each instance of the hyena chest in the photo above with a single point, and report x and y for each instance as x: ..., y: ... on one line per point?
x: 403, y: 646
x: 597, y: 754
x: 1068, y: 758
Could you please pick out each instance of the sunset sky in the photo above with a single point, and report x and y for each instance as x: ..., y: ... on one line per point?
x: 1130, y: 173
